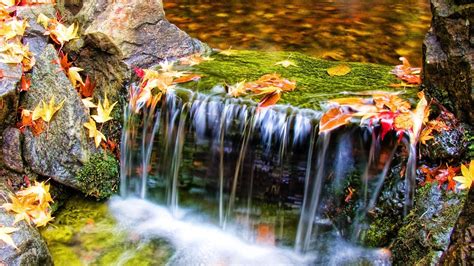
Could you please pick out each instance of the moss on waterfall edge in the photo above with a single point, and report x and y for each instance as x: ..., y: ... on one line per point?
x: 314, y: 85
x: 84, y: 233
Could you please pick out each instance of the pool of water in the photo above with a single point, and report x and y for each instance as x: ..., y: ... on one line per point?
x: 377, y: 31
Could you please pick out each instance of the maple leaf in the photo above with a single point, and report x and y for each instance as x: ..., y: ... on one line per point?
x: 74, y: 76
x: 103, y: 111
x: 25, y: 83
x: 19, y: 208
x: 237, y: 89
x: 46, y: 112
x: 43, y: 20
x: 12, y: 28
x: 37, y: 127
x: 286, y: 63
x: 339, y: 70
x: 188, y: 78
x: 407, y: 73
x: 40, y: 217
x: 39, y: 192
x: 332, y: 119
x: 88, y: 103
x: 87, y: 89
x: 467, y: 176
x: 94, y: 133
x: 166, y: 66
x: 5, y: 235
x: 268, y: 100
x: 228, y: 52
x: 63, y: 62
x: 61, y: 34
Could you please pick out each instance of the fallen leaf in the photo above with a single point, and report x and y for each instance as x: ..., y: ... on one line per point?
x: 467, y: 176
x: 237, y: 90
x: 46, y: 112
x: 87, y: 89
x: 339, y: 70
x: 103, y: 111
x: 88, y: 103
x: 74, y: 76
x: 332, y: 119
x: 269, y: 100
x: 286, y: 63
x: 61, y: 34
x: 188, y: 78
x: 5, y: 235
x: 25, y: 83
x: 94, y: 133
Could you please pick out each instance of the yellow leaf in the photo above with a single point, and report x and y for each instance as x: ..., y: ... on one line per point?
x: 228, y: 52
x: 5, y: 235
x: 64, y: 34
x: 286, y: 63
x: 39, y: 192
x: 467, y: 176
x: 166, y: 66
x: 12, y: 28
x: 8, y: 3
x: 43, y: 20
x: 19, y: 208
x: 40, y: 217
x: 339, y: 70
x: 88, y: 103
x: 237, y: 89
x: 94, y: 133
x: 46, y: 112
x: 74, y: 77
x: 103, y: 111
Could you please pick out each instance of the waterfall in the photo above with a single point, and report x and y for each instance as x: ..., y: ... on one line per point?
x: 247, y: 168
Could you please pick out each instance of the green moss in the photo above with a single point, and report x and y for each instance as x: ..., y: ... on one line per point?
x: 99, y: 177
x: 313, y: 83
x: 427, y: 229
x: 84, y: 233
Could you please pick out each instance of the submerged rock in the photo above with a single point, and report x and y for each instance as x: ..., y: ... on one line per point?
x: 60, y: 151
x: 448, y: 50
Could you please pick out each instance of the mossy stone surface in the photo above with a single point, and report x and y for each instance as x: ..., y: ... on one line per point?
x: 99, y: 177
x: 313, y: 83
x: 84, y: 233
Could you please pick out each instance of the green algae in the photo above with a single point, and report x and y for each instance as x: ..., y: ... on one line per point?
x: 99, y: 176
x: 314, y: 85
x: 84, y: 233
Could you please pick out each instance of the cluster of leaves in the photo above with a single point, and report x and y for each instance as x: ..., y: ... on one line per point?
x: 155, y: 83
x: 12, y: 50
x: 408, y: 74
x: 447, y: 174
x: 269, y: 87
x: 104, y: 109
x: 31, y: 204
x: 385, y: 109
x: 57, y: 31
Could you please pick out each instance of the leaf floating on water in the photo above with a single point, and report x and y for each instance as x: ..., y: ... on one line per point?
x: 332, y: 119
x: 339, y: 70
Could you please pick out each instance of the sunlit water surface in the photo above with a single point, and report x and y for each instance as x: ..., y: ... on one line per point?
x: 377, y: 31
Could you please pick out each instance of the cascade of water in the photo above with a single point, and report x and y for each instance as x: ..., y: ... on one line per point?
x: 223, y: 157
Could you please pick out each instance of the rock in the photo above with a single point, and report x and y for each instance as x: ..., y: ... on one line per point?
x: 9, y: 95
x: 448, y: 50
x: 34, y: 35
x: 448, y: 144
x: 426, y: 231
x: 141, y: 32
x: 60, y: 152
x: 32, y: 249
x: 11, y: 150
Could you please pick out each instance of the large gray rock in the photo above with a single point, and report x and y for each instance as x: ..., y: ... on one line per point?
x: 60, y: 152
x: 11, y: 150
x: 141, y: 31
x: 448, y: 49
x: 9, y: 94
x: 32, y: 249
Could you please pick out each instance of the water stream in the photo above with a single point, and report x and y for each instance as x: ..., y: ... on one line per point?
x: 226, y: 183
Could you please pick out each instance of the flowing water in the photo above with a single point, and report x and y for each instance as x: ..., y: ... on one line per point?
x: 229, y: 177
x: 377, y: 31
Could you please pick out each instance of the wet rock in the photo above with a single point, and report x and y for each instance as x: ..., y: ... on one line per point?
x: 34, y: 34
x: 32, y: 249
x: 60, y: 151
x: 9, y: 95
x: 426, y: 231
x: 141, y: 32
x: 11, y: 150
x: 448, y: 50
x: 461, y: 248
x: 448, y: 144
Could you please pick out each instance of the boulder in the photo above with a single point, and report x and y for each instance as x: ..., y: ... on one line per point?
x: 448, y: 51
x: 140, y: 30
x: 32, y: 249
x: 59, y: 152
x: 9, y: 94
x: 11, y: 150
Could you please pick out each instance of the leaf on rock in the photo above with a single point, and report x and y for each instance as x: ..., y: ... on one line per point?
x: 25, y: 83
x: 46, y: 111
x: 268, y: 100
x: 87, y: 89
x: 339, y: 70
x: 465, y: 181
x: 94, y: 133
x: 5, y: 235
x: 103, y: 111
x: 74, y: 76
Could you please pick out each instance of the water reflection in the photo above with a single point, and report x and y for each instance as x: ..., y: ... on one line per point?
x: 353, y: 30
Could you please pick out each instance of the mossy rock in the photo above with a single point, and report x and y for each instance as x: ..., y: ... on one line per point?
x: 84, y: 233
x: 426, y: 231
x: 99, y: 177
x: 313, y: 83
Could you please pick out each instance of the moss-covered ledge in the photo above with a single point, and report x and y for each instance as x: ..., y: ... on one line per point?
x: 313, y: 83
x: 99, y: 177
